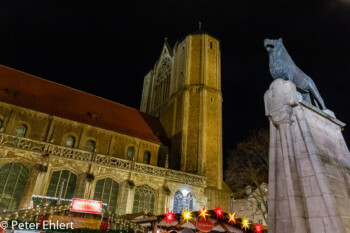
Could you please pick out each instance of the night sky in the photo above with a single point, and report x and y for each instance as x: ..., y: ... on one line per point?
x: 106, y: 47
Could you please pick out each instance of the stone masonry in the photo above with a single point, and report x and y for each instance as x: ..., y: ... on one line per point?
x: 309, y: 178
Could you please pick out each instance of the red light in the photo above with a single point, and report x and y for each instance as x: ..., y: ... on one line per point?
x: 86, y: 206
x: 231, y: 217
x: 203, y: 213
x: 169, y: 217
x: 219, y: 212
x: 258, y: 228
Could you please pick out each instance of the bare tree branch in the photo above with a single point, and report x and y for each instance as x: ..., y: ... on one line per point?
x: 248, y: 165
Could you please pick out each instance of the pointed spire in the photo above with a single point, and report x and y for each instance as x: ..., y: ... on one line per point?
x: 166, y: 43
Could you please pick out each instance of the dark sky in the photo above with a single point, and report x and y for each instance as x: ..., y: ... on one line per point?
x: 106, y: 47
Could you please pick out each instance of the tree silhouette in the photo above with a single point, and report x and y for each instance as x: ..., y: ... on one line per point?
x: 248, y: 168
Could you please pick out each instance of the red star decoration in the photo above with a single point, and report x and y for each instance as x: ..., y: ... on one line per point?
x: 258, y: 228
x: 169, y: 217
x: 232, y: 217
x: 219, y: 212
x: 203, y: 213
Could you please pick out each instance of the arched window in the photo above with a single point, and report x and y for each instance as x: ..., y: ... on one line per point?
x: 144, y: 199
x: 1, y: 122
x: 189, y: 202
x: 57, y: 178
x: 90, y: 146
x: 107, y: 191
x: 70, y: 141
x: 21, y: 131
x: 178, y: 198
x: 13, y: 179
x: 130, y: 153
x: 147, y: 157
x: 182, y: 203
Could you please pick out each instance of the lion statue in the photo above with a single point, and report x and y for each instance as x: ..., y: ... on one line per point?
x: 282, y: 66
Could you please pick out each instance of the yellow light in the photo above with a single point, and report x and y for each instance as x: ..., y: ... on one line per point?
x: 232, y: 217
x: 203, y: 213
x: 187, y: 215
x: 245, y: 223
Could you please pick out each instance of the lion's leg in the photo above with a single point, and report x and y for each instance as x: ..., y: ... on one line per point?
x: 306, y: 97
x: 317, y: 97
x: 316, y: 103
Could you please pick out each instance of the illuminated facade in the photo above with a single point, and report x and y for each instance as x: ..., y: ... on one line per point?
x: 57, y: 141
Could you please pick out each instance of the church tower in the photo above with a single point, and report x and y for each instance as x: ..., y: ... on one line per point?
x: 184, y: 91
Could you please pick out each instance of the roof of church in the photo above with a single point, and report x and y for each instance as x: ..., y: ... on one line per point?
x: 28, y: 91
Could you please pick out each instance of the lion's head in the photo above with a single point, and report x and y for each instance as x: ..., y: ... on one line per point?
x: 272, y: 45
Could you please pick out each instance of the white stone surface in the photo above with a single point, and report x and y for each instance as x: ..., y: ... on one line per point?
x: 309, y: 180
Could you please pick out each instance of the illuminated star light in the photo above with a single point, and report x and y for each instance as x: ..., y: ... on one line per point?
x: 245, y: 223
x: 187, y: 215
x: 169, y: 217
x: 203, y: 213
x: 232, y: 217
x: 219, y: 212
x: 258, y: 228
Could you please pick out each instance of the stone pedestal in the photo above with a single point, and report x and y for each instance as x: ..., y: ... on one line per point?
x: 309, y: 178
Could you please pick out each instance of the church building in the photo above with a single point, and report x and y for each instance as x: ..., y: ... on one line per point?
x: 59, y: 142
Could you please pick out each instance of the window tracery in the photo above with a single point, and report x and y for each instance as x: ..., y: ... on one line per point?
x: 162, y: 82
x: 106, y: 190
x: 13, y: 179
x: 56, y: 182
x: 182, y: 202
x: 144, y: 199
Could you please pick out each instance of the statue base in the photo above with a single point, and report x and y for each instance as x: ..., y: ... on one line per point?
x: 309, y: 173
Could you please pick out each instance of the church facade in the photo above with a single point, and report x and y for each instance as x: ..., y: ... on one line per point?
x: 56, y: 141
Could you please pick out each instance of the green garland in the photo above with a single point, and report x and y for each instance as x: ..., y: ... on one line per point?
x: 212, y: 214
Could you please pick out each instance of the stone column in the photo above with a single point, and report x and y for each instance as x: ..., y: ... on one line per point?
x: 82, y: 186
x: 40, y: 184
x: 125, y: 198
x: 301, y: 199
x: 28, y: 191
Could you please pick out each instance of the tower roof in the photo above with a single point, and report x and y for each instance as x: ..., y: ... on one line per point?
x: 28, y: 91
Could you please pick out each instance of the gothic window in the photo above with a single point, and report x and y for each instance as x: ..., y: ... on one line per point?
x: 178, y: 199
x: 144, y: 199
x: 189, y: 202
x: 21, y: 131
x: 161, y: 89
x: 147, y: 157
x: 107, y: 191
x: 182, y: 203
x: 90, y: 146
x: 211, y: 44
x: 57, y: 178
x: 13, y: 179
x: 70, y: 141
x: 130, y: 153
x: 168, y: 84
x: 1, y: 121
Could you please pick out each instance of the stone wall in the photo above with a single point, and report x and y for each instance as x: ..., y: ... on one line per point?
x: 34, y: 153
x: 309, y: 188
x: 56, y: 130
